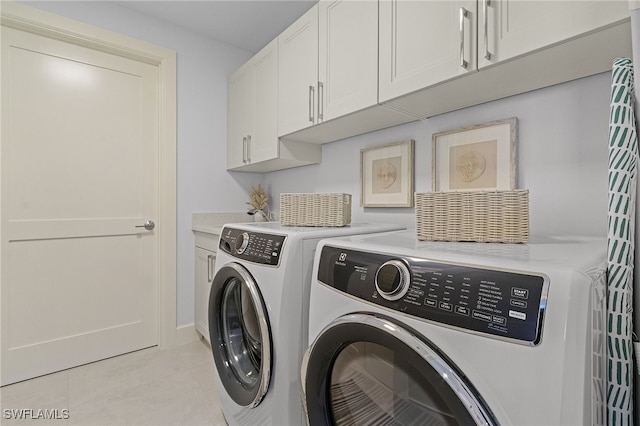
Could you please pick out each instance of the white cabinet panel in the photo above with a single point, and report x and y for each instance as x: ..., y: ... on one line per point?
x: 252, y: 122
x: 252, y: 141
x: 298, y: 74
x: 205, y: 266
x: 423, y: 43
x: 262, y: 143
x: 348, y: 57
x: 510, y: 28
x: 530, y: 45
x: 238, y: 118
x: 328, y: 74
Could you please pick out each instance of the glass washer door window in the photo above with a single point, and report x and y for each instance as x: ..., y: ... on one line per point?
x: 240, y: 335
x: 366, y: 369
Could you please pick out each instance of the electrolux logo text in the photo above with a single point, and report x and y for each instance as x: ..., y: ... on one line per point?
x: 35, y: 414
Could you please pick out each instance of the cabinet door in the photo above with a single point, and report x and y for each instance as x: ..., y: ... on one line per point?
x: 239, y: 116
x: 205, y: 267
x: 348, y: 57
x: 423, y: 43
x: 298, y: 74
x: 508, y: 28
x: 263, y: 137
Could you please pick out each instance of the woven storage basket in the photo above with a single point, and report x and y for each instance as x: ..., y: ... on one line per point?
x: 482, y: 216
x: 311, y: 209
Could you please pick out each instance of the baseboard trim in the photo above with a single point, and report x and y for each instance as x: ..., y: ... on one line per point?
x: 186, y: 334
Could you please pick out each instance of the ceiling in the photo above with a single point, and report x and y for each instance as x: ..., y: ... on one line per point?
x: 246, y: 24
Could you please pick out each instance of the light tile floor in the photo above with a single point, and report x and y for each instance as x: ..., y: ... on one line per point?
x: 147, y: 387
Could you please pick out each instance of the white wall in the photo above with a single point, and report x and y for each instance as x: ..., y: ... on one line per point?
x: 562, y: 157
x: 203, y: 66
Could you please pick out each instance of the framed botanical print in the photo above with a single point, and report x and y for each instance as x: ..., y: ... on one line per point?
x: 481, y: 157
x: 386, y: 175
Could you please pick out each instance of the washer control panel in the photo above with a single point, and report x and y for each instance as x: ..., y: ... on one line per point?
x: 506, y: 304
x: 250, y: 246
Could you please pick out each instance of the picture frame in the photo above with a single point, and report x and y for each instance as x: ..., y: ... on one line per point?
x: 387, y: 175
x: 476, y: 158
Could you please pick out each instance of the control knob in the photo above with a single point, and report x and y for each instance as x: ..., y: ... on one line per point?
x: 242, y: 241
x: 393, y: 279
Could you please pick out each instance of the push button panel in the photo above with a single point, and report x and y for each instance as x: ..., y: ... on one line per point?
x: 256, y: 247
x: 505, y: 304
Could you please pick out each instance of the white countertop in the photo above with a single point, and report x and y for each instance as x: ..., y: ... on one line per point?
x: 211, y: 223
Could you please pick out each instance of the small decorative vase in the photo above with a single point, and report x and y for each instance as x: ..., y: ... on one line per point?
x: 259, y: 216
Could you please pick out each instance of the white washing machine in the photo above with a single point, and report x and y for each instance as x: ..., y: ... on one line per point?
x: 258, y: 317
x: 412, y: 333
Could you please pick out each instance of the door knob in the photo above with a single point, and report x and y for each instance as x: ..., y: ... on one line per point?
x: 148, y: 225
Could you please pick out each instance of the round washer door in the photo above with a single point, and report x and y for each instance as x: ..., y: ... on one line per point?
x: 368, y: 369
x: 240, y: 335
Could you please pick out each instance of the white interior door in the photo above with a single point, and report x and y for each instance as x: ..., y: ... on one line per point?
x: 80, y: 162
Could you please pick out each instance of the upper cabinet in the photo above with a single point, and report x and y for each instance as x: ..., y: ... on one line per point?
x: 298, y: 76
x: 252, y: 127
x: 349, y: 67
x: 423, y: 43
x: 510, y: 28
x: 239, y: 114
x: 253, y: 98
x: 328, y: 64
x: 492, y: 48
x: 348, y: 57
x: 328, y: 74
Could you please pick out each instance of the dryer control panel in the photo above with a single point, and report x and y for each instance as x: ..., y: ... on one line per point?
x: 255, y: 247
x: 506, y: 304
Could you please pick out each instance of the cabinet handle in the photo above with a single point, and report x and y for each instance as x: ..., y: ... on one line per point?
x: 463, y: 14
x: 244, y: 150
x: 485, y: 7
x: 210, y: 267
x: 248, y: 148
x: 320, y: 101
x: 311, y: 102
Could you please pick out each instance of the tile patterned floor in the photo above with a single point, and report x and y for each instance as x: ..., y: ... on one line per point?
x: 148, y: 387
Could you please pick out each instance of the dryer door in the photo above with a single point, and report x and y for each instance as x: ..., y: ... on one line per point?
x: 368, y: 369
x: 240, y: 335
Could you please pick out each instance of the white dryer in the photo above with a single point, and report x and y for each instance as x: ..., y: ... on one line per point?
x: 258, y: 317
x: 412, y: 333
